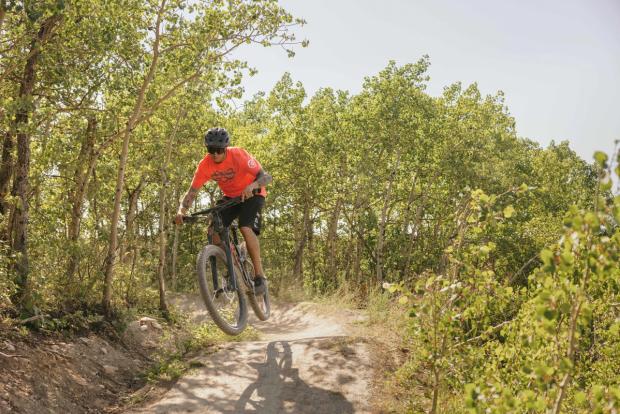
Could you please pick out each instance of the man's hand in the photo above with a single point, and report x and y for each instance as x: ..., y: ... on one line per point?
x: 178, y: 219
x: 185, y: 204
x: 247, y: 193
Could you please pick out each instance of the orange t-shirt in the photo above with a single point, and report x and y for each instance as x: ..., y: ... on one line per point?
x: 233, y: 175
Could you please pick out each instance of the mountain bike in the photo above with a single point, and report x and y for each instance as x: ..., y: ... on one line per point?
x: 225, y: 274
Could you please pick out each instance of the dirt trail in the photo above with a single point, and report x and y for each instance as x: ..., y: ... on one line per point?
x: 305, y: 362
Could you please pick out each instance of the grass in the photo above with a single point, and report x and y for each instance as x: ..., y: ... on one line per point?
x: 287, y: 293
x: 384, y: 327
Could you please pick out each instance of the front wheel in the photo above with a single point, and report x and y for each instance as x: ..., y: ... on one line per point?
x: 259, y: 303
x: 225, y: 303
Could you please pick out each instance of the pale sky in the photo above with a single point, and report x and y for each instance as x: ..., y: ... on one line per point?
x: 557, y: 61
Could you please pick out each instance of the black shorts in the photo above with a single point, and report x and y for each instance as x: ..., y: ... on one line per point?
x: 249, y: 213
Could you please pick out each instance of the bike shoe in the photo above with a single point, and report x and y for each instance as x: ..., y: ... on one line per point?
x: 260, y: 284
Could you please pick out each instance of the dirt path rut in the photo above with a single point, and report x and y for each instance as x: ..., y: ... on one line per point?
x: 305, y: 362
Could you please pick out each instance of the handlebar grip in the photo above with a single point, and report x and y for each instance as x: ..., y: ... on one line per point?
x: 189, y: 219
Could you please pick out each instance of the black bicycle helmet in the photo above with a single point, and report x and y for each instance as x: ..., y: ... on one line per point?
x: 217, y: 138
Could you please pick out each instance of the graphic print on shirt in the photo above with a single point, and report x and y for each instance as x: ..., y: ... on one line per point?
x: 224, y: 176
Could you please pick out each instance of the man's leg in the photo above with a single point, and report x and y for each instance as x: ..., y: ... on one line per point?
x: 253, y: 245
x: 250, y: 221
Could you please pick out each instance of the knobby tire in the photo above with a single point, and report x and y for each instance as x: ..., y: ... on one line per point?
x: 205, y: 281
x: 260, y: 304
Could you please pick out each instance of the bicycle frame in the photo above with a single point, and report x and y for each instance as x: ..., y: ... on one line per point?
x: 225, y: 240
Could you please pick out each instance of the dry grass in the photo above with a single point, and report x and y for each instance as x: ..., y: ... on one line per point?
x: 381, y: 322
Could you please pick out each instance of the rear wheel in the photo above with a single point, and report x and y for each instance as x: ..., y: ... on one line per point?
x: 259, y: 303
x: 226, y: 304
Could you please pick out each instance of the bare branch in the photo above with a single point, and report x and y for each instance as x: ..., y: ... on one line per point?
x: 12, y: 356
x: 33, y: 318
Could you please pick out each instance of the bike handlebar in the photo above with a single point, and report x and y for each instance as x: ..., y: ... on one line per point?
x: 194, y: 217
x: 218, y: 207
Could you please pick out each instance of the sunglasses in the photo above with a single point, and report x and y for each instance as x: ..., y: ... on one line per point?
x: 214, y: 150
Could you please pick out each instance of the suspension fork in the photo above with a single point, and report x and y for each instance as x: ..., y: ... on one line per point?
x: 244, y: 272
x: 218, y: 227
x: 225, y: 237
x: 216, y: 283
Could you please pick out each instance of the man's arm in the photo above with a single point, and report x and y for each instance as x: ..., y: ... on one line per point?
x: 188, y: 199
x: 262, y: 178
x: 186, y: 203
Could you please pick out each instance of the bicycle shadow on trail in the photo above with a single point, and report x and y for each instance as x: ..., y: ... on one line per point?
x: 305, y: 364
x: 269, y: 381
x: 279, y: 389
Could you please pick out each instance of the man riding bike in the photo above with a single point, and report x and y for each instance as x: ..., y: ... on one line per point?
x: 237, y: 174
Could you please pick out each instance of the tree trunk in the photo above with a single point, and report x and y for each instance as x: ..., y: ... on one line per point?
x: 120, y: 179
x: 408, y: 248
x: 162, y: 245
x: 111, y: 256
x: 126, y: 243
x: 175, y: 254
x: 6, y: 171
x: 2, y: 12
x: 414, y: 224
x: 175, y: 249
x: 19, y: 222
x: 95, y: 213
x: 359, y: 253
x: 310, y: 243
x: 301, y: 244
x: 19, y: 226
x: 163, y: 233
x: 76, y: 197
x: 332, y: 233
x: 382, y: 223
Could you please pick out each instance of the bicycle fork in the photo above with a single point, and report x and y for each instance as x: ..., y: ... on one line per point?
x: 232, y: 281
x: 224, y: 233
x: 240, y: 258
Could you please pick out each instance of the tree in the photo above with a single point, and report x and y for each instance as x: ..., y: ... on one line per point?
x: 187, y: 47
x: 46, y: 19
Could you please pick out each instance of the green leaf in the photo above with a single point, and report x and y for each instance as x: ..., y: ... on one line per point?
x: 600, y: 158
x: 591, y: 219
x: 567, y: 258
x: 546, y: 256
x: 606, y: 182
x: 580, y: 397
x: 403, y: 300
x: 509, y: 211
x: 598, y: 392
